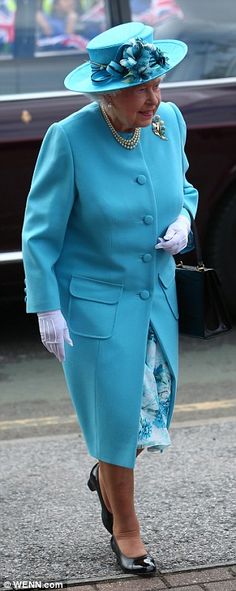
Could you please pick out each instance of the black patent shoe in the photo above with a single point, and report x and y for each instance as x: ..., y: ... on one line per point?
x: 93, y: 484
x: 142, y: 565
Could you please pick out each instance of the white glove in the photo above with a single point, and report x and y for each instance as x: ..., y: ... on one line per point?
x: 176, y: 236
x: 54, y: 331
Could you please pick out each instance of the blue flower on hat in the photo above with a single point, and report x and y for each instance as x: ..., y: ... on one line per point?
x: 134, y: 62
x: 140, y: 58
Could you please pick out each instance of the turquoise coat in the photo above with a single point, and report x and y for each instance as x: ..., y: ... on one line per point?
x: 92, y: 219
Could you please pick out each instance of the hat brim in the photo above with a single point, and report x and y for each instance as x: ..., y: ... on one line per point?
x: 79, y: 80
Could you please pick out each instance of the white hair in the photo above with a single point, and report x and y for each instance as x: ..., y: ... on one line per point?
x: 100, y: 97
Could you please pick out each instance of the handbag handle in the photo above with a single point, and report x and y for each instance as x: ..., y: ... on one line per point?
x: 198, y: 249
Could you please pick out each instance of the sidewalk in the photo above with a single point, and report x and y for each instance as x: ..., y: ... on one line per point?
x: 203, y: 579
x: 51, y: 521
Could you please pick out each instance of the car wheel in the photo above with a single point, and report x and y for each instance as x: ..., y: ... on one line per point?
x: 220, y: 251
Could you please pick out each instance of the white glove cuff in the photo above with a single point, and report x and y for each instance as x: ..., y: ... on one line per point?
x: 50, y: 313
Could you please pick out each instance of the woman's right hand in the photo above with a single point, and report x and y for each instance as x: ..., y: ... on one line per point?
x: 54, y: 331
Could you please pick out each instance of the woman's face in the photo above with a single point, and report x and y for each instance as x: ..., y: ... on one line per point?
x: 134, y: 107
x: 66, y: 5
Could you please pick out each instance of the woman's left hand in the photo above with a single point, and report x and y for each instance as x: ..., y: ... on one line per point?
x: 176, y: 236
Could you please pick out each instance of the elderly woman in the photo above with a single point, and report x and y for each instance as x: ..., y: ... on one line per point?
x: 108, y: 208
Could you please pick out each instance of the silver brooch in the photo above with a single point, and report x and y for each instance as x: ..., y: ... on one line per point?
x: 158, y: 127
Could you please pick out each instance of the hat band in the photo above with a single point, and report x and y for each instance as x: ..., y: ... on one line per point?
x: 134, y: 61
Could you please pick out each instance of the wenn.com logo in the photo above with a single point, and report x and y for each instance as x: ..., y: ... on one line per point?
x: 9, y: 585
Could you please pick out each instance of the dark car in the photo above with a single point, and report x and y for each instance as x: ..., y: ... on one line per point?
x: 33, y: 66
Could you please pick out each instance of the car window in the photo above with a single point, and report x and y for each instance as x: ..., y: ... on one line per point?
x: 42, y: 40
x: 208, y: 28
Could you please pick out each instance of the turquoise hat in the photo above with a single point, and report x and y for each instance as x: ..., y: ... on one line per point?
x: 125, y: 56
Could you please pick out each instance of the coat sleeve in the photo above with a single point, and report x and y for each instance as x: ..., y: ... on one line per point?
x: 190, y: 193
x: 48, y: 208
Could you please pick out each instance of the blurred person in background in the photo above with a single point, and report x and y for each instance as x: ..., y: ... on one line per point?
x: 57, y: 18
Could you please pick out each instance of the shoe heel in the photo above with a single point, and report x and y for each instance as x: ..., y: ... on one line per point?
x: 91, y: 484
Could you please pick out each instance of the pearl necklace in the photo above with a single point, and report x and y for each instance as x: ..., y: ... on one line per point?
x: 129, y: 144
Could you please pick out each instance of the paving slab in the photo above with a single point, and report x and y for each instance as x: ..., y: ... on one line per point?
x: 198, y: 576
x: 150, y: 584
x: 187, y: 588
x: 156, y: 583
x: 221, y: 586
x: 82, y: 588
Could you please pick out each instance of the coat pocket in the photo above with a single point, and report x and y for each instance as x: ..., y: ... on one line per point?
x: 167, y: 283
x: 93, y: 307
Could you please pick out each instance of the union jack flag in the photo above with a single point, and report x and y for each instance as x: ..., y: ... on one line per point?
x: 155, y: 11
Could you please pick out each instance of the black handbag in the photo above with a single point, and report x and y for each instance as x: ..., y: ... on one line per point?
x: 202, y: 308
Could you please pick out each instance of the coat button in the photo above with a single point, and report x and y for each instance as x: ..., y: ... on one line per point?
x: 141, y: 179
x: 144, y: 295
x: 148, y: 219
x: 147, y: 257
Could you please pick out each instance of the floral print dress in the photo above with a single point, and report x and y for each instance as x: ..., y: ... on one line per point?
x: 153, y: 433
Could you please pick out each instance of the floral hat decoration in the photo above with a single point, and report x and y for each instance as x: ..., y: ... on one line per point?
x: 125, y: 56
